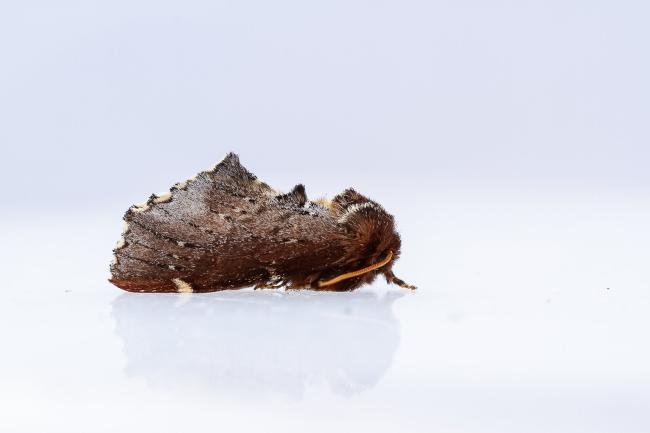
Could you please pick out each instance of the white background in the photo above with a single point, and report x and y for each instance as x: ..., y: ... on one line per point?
x: 509, y: 139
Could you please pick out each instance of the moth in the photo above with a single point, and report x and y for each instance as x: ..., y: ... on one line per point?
x: 226, y: 229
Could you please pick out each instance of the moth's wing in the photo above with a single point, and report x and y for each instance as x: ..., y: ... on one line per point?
x: 199, y: 210
x: 188, y: 231
x: 226, y: 229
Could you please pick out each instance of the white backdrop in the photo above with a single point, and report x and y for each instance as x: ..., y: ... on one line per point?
x: 509, y: 139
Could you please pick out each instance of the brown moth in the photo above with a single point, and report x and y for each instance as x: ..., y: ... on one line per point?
x: 226, y: 229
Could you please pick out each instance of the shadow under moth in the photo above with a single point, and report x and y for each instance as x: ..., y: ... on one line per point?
x: 226, y: 229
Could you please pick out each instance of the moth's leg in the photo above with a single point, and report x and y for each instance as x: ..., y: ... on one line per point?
x: 391, y: 278
x: 270, y: 281
x: 268, y: 285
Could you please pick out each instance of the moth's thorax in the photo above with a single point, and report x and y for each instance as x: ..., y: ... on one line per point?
x: 371, y: 239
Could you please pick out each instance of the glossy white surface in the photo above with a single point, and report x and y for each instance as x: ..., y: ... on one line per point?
x: 530, y: 316
x: 509, y: 138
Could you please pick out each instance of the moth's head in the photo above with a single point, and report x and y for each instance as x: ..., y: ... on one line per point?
x: 373, y: 239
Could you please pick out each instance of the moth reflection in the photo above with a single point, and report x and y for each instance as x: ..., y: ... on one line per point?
x: 259, y: 342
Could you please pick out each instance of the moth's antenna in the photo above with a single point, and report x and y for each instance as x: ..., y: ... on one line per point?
x: 356, y: 273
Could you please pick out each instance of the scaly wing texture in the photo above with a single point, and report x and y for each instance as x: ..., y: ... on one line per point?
x: 225, y: 229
